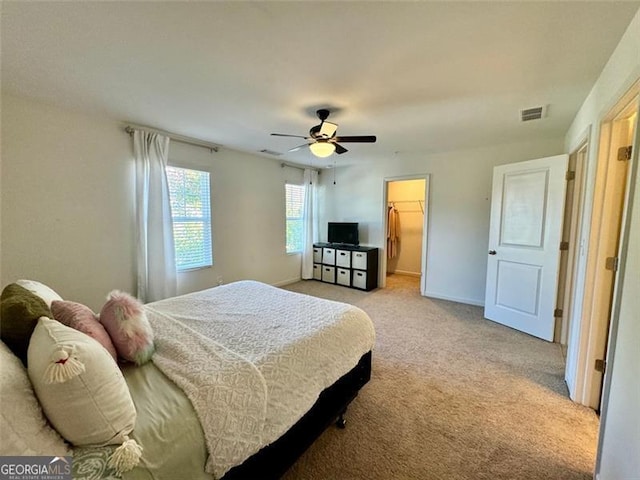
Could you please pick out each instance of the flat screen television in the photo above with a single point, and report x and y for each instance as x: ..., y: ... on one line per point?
x: 343, y: 232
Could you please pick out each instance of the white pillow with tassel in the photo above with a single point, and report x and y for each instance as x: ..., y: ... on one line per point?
x: 82, y: 391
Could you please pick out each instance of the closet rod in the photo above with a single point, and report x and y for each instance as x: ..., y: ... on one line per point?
x: 393, y: 202
x: 173, y: 136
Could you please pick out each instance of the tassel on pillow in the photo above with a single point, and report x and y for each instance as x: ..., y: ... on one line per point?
x: 125, y: 320
x: 126, y: 456
x: 64, y: 366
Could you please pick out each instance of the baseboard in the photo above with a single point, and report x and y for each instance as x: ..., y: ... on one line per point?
x: 404, y: 272
x: 284, y: 283
x: 468, y: 301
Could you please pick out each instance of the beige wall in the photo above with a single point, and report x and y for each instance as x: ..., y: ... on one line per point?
x: 408, y: 196
x: 67, y: 199
x: 620, y: 419
x: 459, y: 207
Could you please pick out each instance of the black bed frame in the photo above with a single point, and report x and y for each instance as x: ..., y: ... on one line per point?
x: 272, y: 461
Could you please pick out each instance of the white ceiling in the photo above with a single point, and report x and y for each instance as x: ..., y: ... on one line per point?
x: 422, y: 76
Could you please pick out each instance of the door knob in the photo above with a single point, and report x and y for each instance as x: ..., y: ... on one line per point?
x: 492, y: 252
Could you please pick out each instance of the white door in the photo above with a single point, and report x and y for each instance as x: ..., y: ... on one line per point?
x: 527, y: 206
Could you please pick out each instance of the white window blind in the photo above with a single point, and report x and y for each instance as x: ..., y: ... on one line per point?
x: 191, y: 213
x: 294, y: 196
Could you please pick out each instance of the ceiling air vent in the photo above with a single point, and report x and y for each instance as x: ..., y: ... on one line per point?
x: 270, y: 152
x: 534, y: 113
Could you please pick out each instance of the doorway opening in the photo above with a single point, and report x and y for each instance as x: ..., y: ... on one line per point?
x: 405, y: 221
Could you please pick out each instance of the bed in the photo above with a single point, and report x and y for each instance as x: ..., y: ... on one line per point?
x: 244, y: 378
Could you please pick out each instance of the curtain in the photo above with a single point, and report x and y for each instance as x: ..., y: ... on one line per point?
x: 155, y: 246
x: 310, y: 221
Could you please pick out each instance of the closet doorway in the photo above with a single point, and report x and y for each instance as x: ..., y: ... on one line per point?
x: 405, y: 227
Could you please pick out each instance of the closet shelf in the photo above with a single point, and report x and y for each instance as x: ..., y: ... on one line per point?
x: 419, y: 202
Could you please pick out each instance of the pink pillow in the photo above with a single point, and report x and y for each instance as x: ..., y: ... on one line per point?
x: 81, y: 318
x: 125, y: 320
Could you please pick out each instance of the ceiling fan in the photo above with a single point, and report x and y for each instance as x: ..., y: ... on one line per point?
x: 323, y: 140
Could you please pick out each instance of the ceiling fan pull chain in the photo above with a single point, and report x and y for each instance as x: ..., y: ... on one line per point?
x: 334, y: 170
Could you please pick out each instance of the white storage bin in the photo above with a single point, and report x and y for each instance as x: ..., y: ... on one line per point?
x: 317, y: 271
x: 328, y: 274
x: 359, y: 260
x: 343, y: 276
x: 343, y: 258
x: 359, y: 279
x: 317, y: 255
x: 329, y: 256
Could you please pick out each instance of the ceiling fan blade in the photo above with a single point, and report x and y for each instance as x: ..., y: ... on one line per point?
x: 357, y: 139
x: 287, y: 135
x: 295, y: 149
x: 328, y: 129
x: 340, y: 149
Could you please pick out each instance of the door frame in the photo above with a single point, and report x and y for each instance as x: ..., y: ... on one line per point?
x: 571, y: 234
x: 382, y: 274
x: 586, y: 338
x: 616, y: 301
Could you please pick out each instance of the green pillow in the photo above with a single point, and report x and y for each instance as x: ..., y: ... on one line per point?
x: 19, y: 312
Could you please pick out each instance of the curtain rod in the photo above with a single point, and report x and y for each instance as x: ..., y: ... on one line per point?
x: 173, y: 136
x: 300, y: 167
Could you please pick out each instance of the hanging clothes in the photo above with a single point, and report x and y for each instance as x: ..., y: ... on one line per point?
x: 393, y: 231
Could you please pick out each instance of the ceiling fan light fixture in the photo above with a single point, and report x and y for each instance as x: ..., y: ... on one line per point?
x: 322, y: 149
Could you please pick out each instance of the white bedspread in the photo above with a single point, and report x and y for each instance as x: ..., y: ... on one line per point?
x: 253, y: 359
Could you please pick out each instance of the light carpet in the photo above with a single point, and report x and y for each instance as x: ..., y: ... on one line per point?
x: 452, y: 396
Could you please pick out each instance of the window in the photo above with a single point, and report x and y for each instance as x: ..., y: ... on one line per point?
x: 191, y: 214
x: 294, y: 204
